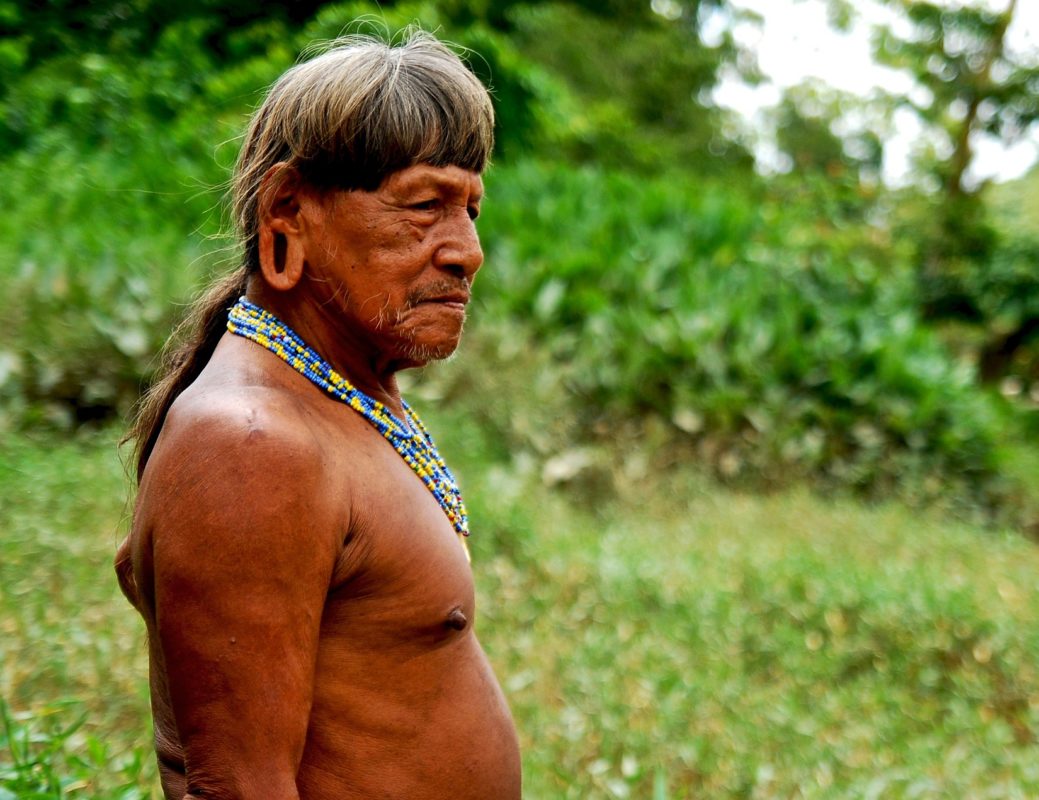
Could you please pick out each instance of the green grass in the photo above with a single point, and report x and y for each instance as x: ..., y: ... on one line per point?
x: 657, y: 638
x: 69, y: 651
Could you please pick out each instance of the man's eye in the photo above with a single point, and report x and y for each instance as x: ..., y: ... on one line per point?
x: 425, y: 205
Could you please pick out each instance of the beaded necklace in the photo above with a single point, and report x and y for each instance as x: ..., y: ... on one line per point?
x: 409, y: 438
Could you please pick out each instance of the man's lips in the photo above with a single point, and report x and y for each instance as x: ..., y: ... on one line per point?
x: 457, y: 300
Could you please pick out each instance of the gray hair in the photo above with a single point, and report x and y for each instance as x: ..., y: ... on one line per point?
x: 358, y: 112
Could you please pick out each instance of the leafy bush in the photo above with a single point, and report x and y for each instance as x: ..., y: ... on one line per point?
x: 111, y: 194
x: 735, y: 320
x: 94, y: 265
x: 978, y: 277
x: 113, y: 180
x: 1007, y: 295
x: 772, y: 340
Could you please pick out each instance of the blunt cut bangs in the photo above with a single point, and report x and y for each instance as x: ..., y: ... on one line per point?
x: 358, y: 112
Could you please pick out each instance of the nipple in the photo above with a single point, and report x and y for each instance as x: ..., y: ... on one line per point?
x: 456, y: 620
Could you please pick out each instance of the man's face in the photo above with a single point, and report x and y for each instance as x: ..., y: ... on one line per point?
x: 394, y: 267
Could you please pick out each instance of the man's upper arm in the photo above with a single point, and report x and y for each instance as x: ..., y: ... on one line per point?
x: 244, y: 541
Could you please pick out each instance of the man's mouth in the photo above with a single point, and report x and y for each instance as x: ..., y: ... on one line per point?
x: 454, y: 300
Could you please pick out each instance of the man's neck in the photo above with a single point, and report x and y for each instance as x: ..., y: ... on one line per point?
x: 352, y: 354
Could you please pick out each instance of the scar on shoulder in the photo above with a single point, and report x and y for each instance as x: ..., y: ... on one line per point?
x: 456, y: 620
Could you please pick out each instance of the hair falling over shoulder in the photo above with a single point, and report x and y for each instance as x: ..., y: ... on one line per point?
x: 186, y: 353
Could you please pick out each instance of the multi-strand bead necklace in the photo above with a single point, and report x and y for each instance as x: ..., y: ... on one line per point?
x: 410, y: 439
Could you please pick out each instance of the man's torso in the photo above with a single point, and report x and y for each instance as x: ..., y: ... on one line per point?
x: 404, y: 703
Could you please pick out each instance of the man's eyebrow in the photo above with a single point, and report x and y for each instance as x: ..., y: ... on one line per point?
x: 437, y: 181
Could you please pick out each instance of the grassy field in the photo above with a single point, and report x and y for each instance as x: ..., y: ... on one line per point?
x: 666, y: 640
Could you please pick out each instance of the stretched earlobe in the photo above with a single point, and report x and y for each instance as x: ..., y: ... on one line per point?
x: 281, y: 258
x: 281, y: 250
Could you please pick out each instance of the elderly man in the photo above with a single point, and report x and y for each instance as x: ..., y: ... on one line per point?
x: 298, y: 546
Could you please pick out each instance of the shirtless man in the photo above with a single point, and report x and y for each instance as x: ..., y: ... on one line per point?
x: 307, y: 592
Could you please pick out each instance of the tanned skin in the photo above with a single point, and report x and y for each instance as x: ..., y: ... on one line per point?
x: 310, y: 609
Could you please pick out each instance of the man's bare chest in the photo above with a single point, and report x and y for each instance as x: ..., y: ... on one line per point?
x: 403, y: 579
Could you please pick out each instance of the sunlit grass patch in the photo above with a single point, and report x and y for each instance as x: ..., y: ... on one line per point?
x: 671, y: 640
x: 742, y: 646
x: 72, y: 657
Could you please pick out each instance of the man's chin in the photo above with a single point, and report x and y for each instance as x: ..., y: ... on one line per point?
x: 418, y: 354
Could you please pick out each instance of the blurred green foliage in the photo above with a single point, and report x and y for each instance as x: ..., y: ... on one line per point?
x: 774, y: 326
x: 969, y: 83
x: 729, y: 314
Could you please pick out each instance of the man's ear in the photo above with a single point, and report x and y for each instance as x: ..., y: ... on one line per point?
x: 281, y: 227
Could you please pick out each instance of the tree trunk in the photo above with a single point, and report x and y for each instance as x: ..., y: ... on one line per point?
x: 962, y: 152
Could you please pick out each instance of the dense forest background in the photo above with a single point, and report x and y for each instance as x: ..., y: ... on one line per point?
x: 653, y: 301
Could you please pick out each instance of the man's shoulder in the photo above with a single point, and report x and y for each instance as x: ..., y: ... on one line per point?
x: 245, y: 427
x: 241, y: 459
x: 237, y: 486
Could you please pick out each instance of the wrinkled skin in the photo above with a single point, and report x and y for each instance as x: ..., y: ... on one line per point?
x: 310, y: 610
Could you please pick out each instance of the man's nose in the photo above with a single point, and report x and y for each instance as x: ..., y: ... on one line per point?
x: 460, y: 252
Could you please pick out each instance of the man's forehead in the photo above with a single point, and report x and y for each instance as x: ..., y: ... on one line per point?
x: 421, y: 176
